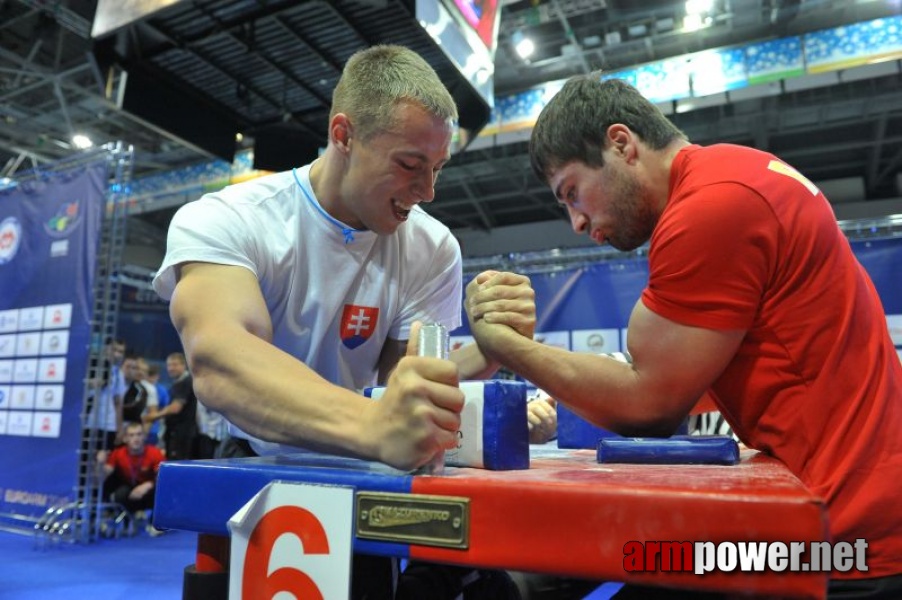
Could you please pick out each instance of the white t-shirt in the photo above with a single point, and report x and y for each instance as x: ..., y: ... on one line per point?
x: 332, y: 304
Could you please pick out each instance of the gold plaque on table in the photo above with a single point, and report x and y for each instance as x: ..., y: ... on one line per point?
x: 413, y: 519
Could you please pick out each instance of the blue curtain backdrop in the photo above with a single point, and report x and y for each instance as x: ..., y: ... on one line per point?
x: 49, y: 228
x: 574, y: 302
x: 883, y: 261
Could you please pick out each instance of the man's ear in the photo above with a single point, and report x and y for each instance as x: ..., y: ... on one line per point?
x: 340, y: 132
x: 622, y: 141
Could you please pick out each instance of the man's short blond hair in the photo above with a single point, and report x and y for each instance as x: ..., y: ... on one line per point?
x: 375, y: 80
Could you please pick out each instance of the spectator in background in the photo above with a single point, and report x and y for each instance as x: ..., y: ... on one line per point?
x: 181, y: 413
x: 140, y: 398
x: 157, y: 427
x: 541, y: 416
x: 104, y: 401
x: 179, y: 416
x: 131, y: 470
x: 103, y: 410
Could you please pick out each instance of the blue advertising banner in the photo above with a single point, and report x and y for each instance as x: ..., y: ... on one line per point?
x: 49, y: 229
x: 882, y: 259
x: 587, y: 308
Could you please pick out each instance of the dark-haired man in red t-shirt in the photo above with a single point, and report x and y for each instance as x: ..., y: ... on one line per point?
x: 754, y: 296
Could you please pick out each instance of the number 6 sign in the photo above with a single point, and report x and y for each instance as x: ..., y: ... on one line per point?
x: 293, y: 540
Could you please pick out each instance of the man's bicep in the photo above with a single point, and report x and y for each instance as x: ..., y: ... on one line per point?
x: 211, y: 297
x: 677, y: 363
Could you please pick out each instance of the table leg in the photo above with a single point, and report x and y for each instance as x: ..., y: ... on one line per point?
x: 208, y: 577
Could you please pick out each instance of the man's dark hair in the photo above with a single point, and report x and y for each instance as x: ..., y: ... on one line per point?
x: 573, y: 125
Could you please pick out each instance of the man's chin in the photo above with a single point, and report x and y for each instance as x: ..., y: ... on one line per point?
x: 625, y: 245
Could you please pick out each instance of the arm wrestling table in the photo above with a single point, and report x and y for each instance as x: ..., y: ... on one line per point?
x: 567, y: 515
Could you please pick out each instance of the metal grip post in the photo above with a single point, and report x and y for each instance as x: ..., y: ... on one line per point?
x: 434, y: 341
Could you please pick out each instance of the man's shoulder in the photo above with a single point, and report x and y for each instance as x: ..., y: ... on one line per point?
x: 722, y: 163
x: 266, y: 193
x: 424, y: 231
x: 422, y: 222
x: 257, y: 189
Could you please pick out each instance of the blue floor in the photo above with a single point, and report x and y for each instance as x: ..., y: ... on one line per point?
x: 136, y: 568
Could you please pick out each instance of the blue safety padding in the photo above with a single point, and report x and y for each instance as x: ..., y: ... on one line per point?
x: 676, y: 450
x: 203, y: 495
x: 505, y: 433
x: 575, y: 432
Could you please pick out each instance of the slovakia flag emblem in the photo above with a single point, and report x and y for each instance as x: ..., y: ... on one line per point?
x: 357, y: 324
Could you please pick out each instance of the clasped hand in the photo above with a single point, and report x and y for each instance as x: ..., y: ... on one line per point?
x: 497, y: 302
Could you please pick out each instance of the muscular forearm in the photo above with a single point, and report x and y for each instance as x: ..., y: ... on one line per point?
x: 273, y: 396
x: 609, y: 393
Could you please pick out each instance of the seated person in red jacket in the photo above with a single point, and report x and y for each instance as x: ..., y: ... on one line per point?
x: 131, y: 470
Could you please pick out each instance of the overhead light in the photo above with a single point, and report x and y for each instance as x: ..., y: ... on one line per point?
x: 81, y: 141
x: 523, y: 44
x: 699, y: 14
x: 695, y: 22
x: 698, y: 7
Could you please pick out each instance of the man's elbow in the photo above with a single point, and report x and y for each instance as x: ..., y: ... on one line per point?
x: 649, y: 422
x: 209, y: 386
x: 659, y: 428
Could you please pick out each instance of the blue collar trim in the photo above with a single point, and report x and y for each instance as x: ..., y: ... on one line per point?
x: 348, y: 232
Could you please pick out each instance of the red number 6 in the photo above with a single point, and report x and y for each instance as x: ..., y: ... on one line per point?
x: 285, y: 519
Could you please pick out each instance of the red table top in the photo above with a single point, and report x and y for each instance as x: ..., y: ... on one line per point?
x: 567, y: 514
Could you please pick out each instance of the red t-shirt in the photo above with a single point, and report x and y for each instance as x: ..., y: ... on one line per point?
x: 745, y: 242
x: 136, y: 468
